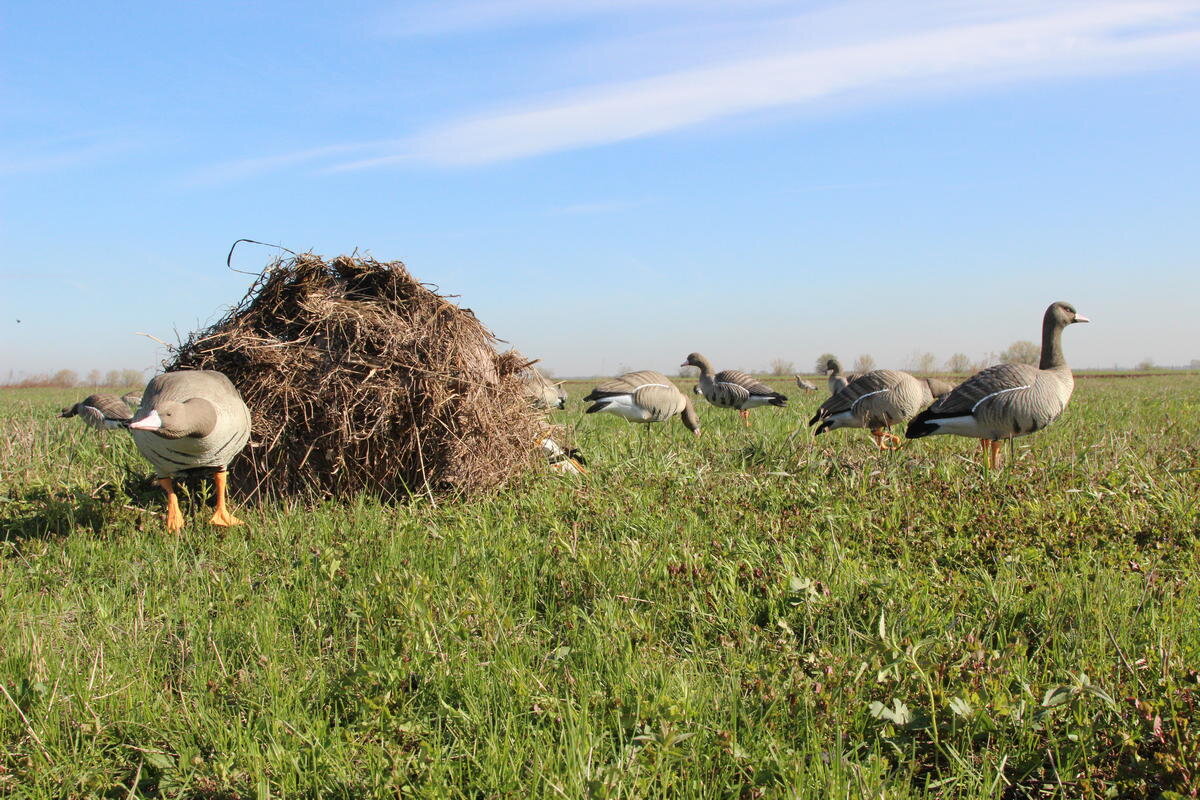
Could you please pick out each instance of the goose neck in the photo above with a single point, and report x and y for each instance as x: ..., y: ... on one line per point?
x: 1052, y: 354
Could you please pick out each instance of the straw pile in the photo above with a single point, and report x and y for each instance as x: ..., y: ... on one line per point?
x: 360, y: 379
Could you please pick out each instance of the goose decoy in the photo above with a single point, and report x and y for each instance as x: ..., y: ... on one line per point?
x: 643, y: 396
x: 542, y: 393
x: 807, y: 386
x: 1007, y: 400
x: 100, y: 411
x: 191, y: 420
x: 938, y: 388
x: 732, y: 388
x: 837, y: 379
x: 875, y: 400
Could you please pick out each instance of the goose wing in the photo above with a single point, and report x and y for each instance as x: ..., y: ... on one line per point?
x: 100, y: 411
x: 662, y: 401
x: 849, y: 395
x: 626, y: 384
x: 748, y: 383
x: 963, y: 399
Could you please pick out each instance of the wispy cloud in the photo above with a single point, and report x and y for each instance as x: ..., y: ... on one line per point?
x: 856, y: 51
x: 609, y: 207
x: 1084, y: 40
x: 60, y: 153
x: 249, y: 167
x: 440, y: 17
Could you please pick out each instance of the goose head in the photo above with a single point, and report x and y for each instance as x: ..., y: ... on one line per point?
x: 1064, y: 314
x: 832, y: 367
x: 691, y: 420
x: 698, y: 361
x: 170, y: 419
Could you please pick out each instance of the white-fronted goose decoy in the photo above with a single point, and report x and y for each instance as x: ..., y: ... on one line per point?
x: 191, y: 420
x: 938, y: 388
x: 1007, y: 400
x: 542, y: 393
x: 837, y: 379
x: 807, y: 386
x: 732, y: 388
x: 643, y: 396
x: 875, y: 400
x: 100, y: 411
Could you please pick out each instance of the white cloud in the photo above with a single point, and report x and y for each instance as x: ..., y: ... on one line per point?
x: 248, y: 167
x: 61, y: 153
x: 442, y: 17
x: 1097, y: 39
x: 857, y: 51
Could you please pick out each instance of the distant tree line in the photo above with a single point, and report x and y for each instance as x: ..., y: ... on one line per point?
x: 69, y: 378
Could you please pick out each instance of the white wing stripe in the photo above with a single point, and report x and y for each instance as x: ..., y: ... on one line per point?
x: 854, y: 405
x: 987, y: 397
x: 644, y: 385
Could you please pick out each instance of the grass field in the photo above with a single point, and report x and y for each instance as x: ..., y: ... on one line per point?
x: 750, y: 614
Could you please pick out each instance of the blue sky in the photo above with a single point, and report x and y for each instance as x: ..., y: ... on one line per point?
x: 613, y: 182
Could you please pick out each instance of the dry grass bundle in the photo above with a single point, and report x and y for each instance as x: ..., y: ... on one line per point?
x: 361, y: 379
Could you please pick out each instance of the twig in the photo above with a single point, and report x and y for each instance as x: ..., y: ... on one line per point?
x: 229, y: 258
x: 28, y: 728
x: 155, y: 338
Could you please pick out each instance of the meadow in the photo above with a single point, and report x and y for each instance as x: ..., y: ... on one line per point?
x: 754, y: 613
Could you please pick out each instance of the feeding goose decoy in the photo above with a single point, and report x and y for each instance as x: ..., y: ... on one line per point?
x: 875, y: 400
x: 732, y: 388
x: 1007, y: 400
x: 100, y: 411
x: 643, y: 396
x: 837, y: 379
x: 191, y: 420
x: 805, y: 385
x: 938, y: 388
x: 542, y: 392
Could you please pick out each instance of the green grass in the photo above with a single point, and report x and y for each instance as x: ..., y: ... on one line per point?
x: 750, y: 614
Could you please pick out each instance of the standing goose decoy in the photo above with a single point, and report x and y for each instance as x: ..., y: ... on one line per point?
x: 100, y: 411
x: 807, y: 386
x: 837, y: 379
x: 1007, y: 400
x: 191, y: 420
x: 875, y: 400
x: 732, y: 388
x: 644, y: 396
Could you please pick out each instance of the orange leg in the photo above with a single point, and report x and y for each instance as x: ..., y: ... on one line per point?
x: 745, y: 415
x: 885, y: 440
x: 994, y: 455
x: 221, y: 515
x: 174, y: 515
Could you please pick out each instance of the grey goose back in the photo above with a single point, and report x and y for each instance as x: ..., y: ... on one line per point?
x: 875, y: 400
x: 191, y: 420
x: 836, y: 379
x: 805, y: 385
x: 1007, y: 400
x: 100, y: 411
x: 937, y: 387
x: 732, y: 388
x: 644, y: 396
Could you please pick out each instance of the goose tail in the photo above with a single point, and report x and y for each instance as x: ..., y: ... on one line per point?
x: 921, y: 425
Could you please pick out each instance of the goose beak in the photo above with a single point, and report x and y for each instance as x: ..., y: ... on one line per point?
x: 1081, y: 318
x: 150, y: 422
